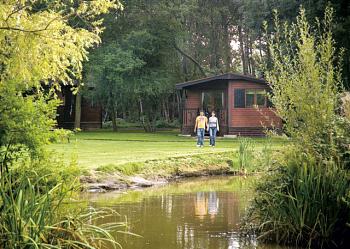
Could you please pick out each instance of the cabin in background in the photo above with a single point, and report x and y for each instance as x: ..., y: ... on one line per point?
x: 91, y: 113
x: 240, y: 103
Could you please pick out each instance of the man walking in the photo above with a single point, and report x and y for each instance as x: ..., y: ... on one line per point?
x: 199, y: 127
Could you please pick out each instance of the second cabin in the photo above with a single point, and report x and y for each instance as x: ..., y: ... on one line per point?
x: 240, y: 103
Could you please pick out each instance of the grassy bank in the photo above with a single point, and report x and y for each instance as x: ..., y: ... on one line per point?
x: 160, y: 154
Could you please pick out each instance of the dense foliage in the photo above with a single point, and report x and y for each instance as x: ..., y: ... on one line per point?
x: 183, y: 40
x: 303, y: 202
x: 304, y: 199
x: 42, y: 46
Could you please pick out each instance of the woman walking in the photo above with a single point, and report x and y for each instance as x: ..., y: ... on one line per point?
x: 213, y: 128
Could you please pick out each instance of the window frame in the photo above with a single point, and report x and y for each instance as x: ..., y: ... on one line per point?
x: 256, y: 98
x: 247, y: 90
x: 219, y: 92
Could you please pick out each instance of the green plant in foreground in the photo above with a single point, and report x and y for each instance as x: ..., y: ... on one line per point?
x: 304, y: 198
x: 34, y: 215
x: 302, y: 203
x: 305, y: 80
x: 245, y: 153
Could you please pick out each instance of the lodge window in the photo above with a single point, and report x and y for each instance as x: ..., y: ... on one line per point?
x: 249, y: 98
x: 212, y: 100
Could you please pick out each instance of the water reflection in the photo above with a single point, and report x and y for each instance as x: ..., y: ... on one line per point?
x: 198, y: 214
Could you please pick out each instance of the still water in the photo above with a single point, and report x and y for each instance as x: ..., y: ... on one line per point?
x: 192, y: 214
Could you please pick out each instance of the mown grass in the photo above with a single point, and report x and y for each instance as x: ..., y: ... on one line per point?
x: 132, y: 152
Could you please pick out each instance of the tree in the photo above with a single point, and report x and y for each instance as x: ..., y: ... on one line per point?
x: 143, y: 67
x: 39, y: 51
x: 108, y: 70
x: 41, y: 47
x: 305, y: 81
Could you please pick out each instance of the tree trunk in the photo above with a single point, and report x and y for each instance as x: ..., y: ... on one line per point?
x: 142, y: 116
x: 252, y: 62
x: 247, y: 53
x: 227, y: 44
x: 166, y: 110
x: 77, y: 117
x: 172, y: 116
x: 241, y: 46
x: 214, y: 45
x: 113, y: 111
x: 114, y: 118
x: 260, y: 48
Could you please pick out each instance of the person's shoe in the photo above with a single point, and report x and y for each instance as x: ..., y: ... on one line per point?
x: 198, y: 145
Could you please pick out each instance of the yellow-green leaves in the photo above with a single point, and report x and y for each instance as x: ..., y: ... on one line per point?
x: 39, y: 43
x: 305, y: 79
x: 42, y: 42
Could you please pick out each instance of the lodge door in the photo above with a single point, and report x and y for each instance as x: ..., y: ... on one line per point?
x: 214, y: 100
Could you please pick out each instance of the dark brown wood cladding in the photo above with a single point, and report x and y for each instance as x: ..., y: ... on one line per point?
x: 91, y: 114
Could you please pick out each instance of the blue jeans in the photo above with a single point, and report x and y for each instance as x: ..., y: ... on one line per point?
x: 212, y: 133
x: 200, y: 135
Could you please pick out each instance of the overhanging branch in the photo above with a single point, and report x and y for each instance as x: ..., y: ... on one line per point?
x: 191, y: 59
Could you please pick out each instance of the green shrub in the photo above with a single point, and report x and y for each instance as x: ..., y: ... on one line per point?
x: 121, y: 123
x: 301, y: 202
x: 162, y: 123
x: 53, y: 169
x: 304, y: 198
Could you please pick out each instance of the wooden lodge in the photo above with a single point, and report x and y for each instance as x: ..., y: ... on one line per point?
x: 240, y: 103
x: 91, y: 113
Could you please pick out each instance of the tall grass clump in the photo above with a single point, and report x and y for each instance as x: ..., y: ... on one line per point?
x: 303, y: 200
x: 35, y: 212
x: 245, y: 153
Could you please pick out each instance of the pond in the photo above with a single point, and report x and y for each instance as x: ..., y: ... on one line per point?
x: 196, y: 213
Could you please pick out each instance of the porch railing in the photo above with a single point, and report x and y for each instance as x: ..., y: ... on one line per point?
x: 189, y: 117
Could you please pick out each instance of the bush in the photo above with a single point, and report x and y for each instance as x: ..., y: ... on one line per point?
x: 53, y: 169
x: 301, y: 202
x: 304, y: 199
x: 121, y: 123
x: 162, y: 123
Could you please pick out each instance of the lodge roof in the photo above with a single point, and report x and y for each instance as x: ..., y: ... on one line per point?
x: 226, y: 76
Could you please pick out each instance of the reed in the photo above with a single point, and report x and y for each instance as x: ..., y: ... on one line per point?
x: 302, y: 203
x: 245, y: 153
x: 36, y: 215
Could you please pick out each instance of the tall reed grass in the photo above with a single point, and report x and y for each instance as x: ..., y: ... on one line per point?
x: 34, y: 214
x: 302, y: 202
x: 245, y: 153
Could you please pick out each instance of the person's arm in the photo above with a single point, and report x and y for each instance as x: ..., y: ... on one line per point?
x: 195, y: 126
x: 217, y: 123
x: 206, y: 123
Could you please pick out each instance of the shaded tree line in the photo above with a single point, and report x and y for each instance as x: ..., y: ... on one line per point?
x: 151, y: 45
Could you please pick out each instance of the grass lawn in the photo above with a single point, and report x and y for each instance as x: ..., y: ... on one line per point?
x: 96, y: 149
